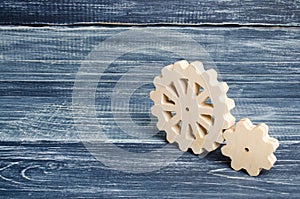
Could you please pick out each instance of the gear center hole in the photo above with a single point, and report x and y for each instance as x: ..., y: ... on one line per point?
x: 247, y: 149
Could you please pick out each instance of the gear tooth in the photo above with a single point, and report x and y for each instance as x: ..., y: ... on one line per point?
x: 211, y: 146
x: 272, y: 159
x: 226, y: 150
x: 197, y: 145
x: 197, y: 150
x: 161, y: 124
x: 198, y: 66
x: 245, y: 123
x: 262, y: 128
x: 157, y: 81
x: 192, y: 70
x: 156, y: 110
x: 165, y: 71
x: 223, y: 87
x: 229, y: 121
x: 171, y: 137
x: 180, y: 66
x: 210, y: 79
x: 246, y: 120
x: 212, y: 75
x: 235, y: 165
x: 183, y: 145
x: 230, y: 104
x: 274, y: 142
x: 269, y: 162
x: 268, y: 146
x: 155, y: 96
x: 253, y: 171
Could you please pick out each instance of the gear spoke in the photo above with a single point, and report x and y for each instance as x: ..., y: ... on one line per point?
x: 168, y: 107
x: 198, y: 132
x: 186, y: 130
x: 170, y: 94
x: 184, y: 127
x: 206, y: 110
x: 191, y: 88
x: 204, y: 122
x: 179, y: 88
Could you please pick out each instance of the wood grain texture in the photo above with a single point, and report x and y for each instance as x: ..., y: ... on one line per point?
x: 38, y: 68
x: 141, y: 12
x: 55, y: 169
x: 40, y: 65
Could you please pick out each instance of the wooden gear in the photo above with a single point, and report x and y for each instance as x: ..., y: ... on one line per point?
x: 250, y: 147
x: 191, y: 106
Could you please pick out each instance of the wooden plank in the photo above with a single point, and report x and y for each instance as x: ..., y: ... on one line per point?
x: 56, y: 169
x: 266, y: 12
x: 40, y: 118
x: 38, y: 68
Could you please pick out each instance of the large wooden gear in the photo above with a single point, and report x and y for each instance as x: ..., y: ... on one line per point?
x: 191, y: 106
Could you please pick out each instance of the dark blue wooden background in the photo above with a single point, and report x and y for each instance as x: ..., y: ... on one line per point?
x: 255, y: 45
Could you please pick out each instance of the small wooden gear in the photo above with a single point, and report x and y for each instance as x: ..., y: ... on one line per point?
x: 191, y: 106
x: 250, y: 147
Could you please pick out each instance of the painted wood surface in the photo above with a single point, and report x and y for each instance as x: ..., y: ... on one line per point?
x: 59, y: 169
x: 38, y: 67
x: 254, y: 44
x: 139, y: 12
